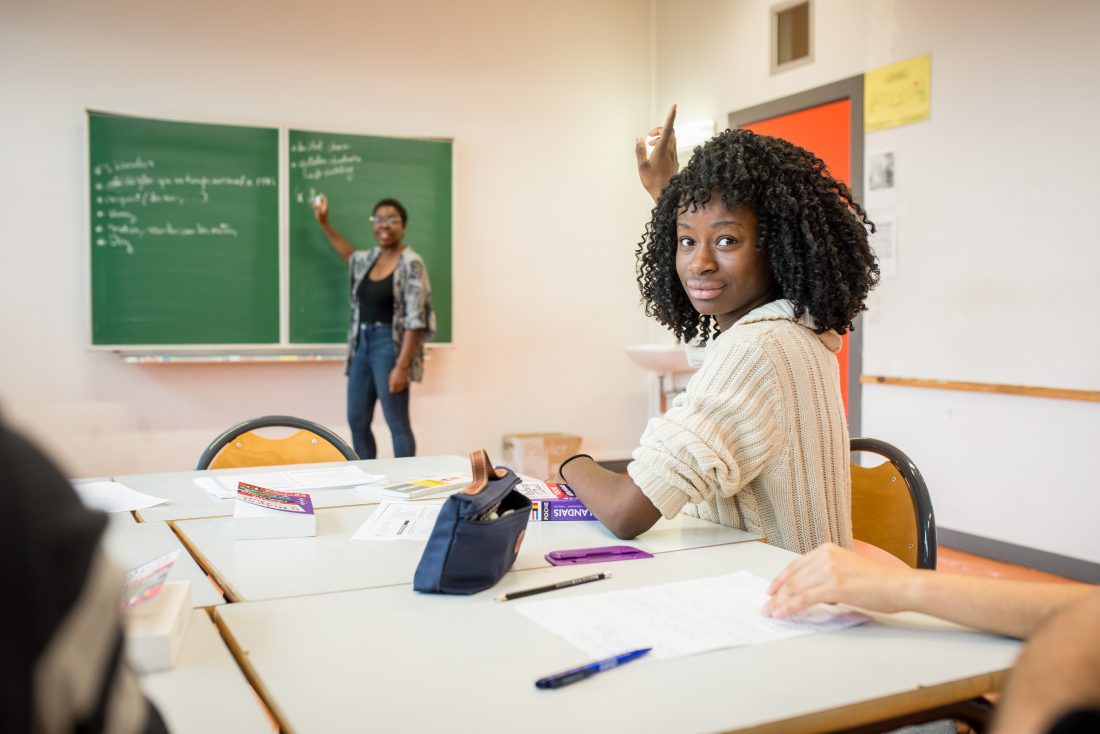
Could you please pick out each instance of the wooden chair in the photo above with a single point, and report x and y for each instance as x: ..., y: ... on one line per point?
x: 241, y: 446
x: 890, y: 505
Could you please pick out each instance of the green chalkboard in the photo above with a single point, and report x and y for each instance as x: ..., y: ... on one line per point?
x: 355, y: 172
x: 184, y: 232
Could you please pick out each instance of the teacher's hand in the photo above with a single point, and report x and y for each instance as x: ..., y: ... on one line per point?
x: 658, y: 168
x: 320, y: 208
x: 399, y: 379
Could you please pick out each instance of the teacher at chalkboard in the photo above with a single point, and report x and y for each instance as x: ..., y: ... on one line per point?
x: 391, y: 318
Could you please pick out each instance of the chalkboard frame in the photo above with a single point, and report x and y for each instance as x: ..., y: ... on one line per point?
x: 283, y: 350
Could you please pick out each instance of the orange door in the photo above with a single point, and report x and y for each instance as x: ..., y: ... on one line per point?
x: 825, y: 130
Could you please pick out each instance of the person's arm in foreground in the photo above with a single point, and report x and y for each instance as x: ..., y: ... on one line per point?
x: 613, y: 498
x: 343, y: 248
x: 1058, y: 671
x: 399, y: 375
x: 661, y: 164
x: 834, y: 575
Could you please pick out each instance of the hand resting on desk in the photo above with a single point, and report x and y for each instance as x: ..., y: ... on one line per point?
x: 835, y: 575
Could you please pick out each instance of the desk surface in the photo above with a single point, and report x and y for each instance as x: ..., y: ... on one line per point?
x: 187, y: 500
x: 373, y: 656
x: 131, y: 544
x: 205, y: 691
x: 269, y: 569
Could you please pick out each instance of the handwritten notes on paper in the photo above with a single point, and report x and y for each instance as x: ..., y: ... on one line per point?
x: 681, y: 618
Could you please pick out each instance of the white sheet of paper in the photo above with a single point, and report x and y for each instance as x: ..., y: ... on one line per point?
x: 114, y: 497
x: 299, y: 479
x: 344, y: 476
x: 399, y: 521
x: 216, y: 490
x: 681, y: 618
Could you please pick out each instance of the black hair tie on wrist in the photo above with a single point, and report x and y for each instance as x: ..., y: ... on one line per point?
x: 561, y: 468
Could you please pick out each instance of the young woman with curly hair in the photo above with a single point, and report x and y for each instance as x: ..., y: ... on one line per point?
x: 757, y: 258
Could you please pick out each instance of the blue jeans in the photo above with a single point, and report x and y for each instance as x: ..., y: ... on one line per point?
x: 368, y: 383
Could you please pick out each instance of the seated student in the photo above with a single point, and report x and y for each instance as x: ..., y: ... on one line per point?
x: 756, y: 254
x: 1059, y: 670
x: 62, y: 668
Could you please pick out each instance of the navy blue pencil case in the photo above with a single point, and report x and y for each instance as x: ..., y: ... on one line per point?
x: 478, y: 533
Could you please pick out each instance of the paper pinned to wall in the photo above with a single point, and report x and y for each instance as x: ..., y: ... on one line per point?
x: 898, y: 94
x: 681, y: 618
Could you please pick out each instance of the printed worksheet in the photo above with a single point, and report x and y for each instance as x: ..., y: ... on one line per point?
x: 681, y: 618
x: 399, y: 521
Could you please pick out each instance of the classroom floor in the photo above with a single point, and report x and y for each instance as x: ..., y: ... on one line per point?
x: 956, y: 561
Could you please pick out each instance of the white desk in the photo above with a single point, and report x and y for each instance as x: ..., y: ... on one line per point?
x: 390, y: 659
x: 269, y: 569
x: 187, y: 500
x: 205, y: 691
x: 131, y: 544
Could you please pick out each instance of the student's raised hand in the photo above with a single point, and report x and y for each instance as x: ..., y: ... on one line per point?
x: 320, y: 208
x: 834, y: 575
x: 661, y: 165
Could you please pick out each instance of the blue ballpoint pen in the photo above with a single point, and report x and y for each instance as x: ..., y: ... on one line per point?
x: 573, y: 675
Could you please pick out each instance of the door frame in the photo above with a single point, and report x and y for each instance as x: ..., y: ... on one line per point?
x: 852, y: 90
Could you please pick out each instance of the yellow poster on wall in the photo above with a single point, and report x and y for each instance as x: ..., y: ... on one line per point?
x: 897, y: 94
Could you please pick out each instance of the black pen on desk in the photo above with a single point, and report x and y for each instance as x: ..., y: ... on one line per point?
x: 553, y: 587
x: 403, y: 526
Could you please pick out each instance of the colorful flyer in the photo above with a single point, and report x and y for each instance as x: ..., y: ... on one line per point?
x: 296, y: 502
x: 146, y: 581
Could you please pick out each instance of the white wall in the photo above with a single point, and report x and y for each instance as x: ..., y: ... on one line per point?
x: 543, y: 101
x: 998, y: 255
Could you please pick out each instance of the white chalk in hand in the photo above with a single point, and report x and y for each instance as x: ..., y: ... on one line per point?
x: 320, y: 200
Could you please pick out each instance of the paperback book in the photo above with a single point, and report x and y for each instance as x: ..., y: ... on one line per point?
x: 268, y: 513
x: 554, y: 501
x: 415, y: 488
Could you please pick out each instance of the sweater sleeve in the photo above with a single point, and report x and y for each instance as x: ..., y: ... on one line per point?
x: 718, y: 436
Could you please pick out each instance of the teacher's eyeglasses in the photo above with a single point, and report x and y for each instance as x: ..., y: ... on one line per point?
x: 386, y: 220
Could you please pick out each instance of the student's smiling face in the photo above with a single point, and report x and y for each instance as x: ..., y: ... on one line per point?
x: 723, y: 272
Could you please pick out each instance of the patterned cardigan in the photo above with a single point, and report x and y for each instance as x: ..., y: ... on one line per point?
x: 412, y: 303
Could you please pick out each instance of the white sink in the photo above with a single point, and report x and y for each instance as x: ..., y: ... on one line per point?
x: 665, y: 359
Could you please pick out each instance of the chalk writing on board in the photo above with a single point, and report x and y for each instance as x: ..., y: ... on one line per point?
x: 134, y: 202
x: 318, y: 160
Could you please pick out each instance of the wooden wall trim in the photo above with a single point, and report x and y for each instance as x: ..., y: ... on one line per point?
x: 1058, y: 393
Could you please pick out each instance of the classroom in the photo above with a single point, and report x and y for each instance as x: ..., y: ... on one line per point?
x: 973, y: 355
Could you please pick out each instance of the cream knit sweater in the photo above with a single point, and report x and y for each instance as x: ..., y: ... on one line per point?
x: 758, y: 440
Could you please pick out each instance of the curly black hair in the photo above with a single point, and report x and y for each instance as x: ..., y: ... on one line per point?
x: 810, y: 227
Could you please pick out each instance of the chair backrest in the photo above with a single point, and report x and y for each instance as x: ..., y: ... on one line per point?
x: 891, y: 508
x: 240, y: 446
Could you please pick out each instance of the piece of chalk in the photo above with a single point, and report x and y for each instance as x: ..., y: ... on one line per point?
x: 319, y: 200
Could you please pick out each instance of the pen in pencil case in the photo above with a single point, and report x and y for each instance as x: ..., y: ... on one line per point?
x: 552, y: 587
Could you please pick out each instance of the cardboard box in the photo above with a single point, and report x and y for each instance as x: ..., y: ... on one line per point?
x: 539, y: 455
x: 155, y: 628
